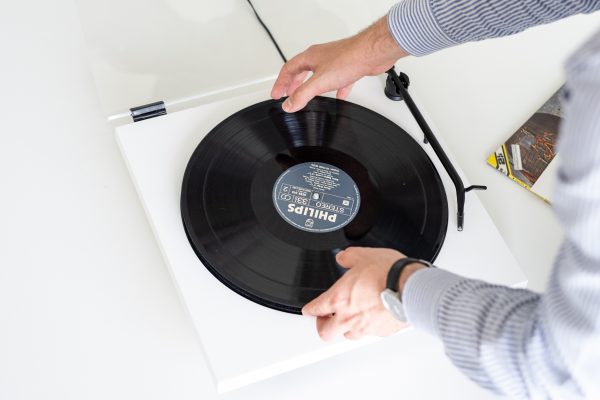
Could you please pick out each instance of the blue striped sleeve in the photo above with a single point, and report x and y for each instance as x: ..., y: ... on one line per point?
x: 421, y: 27
x: 415, y: 28
x: 515, y: 342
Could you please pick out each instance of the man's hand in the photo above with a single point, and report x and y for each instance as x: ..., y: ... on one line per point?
x: 352, y: 306
x: 336, y: 66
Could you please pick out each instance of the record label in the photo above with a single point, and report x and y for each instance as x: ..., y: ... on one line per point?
x: 316, y: 197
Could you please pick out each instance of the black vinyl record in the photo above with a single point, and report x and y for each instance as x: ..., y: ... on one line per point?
x: 352, y: 178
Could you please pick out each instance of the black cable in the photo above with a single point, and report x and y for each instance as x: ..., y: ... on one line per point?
x: 268, y: 32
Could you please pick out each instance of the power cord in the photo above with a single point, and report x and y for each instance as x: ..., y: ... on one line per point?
x: 268, y: 32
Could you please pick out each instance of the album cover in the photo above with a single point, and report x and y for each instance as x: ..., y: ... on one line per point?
x: 527, y: 155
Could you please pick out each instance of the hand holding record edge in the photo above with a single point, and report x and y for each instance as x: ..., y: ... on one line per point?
x: 352, y: 306
x: 336, y: 66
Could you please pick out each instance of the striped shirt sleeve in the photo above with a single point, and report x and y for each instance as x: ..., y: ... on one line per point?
x: 515, y: 342
x: 421, y: 27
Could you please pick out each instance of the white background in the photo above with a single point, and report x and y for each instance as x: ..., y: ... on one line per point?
x: 87, y: 308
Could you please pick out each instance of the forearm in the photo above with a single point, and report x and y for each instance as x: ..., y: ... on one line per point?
x: 378, y: 45
x: 486, y: 329
x: 421, y: 27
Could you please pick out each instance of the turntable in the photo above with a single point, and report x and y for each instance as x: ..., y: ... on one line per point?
x: 249, y: 206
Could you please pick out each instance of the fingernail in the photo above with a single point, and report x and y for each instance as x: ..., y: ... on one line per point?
x: 287, y: 105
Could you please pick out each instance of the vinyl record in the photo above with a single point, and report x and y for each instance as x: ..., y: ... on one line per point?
x: 268, y: 198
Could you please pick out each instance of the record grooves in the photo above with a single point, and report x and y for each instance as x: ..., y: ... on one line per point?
x: 268, y: 198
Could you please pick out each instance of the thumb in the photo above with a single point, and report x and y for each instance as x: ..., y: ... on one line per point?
x: 322, y: 306
x: 343, y: 93
x: 302, y: 95
x: 347, y: 258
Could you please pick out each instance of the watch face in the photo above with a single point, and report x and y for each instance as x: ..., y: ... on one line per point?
x: 393, y: 304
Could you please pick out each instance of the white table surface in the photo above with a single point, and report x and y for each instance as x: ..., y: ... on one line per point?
x: 87, y: 308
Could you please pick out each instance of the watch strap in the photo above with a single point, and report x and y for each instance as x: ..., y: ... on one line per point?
x: 393, y: 276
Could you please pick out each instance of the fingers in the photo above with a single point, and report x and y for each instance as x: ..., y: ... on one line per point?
x: 321, y: 306
x: 291, y: 79
x: 350, y: 257
x: 288, y: 74
x: 330, y: 302
x: 330, y: 327
x: 354, y: 335
x: 296, y: 82
x: 291, y: 82
x: 343, y: 93
x: 303, y: 94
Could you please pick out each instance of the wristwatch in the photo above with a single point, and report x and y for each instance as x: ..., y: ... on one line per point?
x: 391, y: 298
